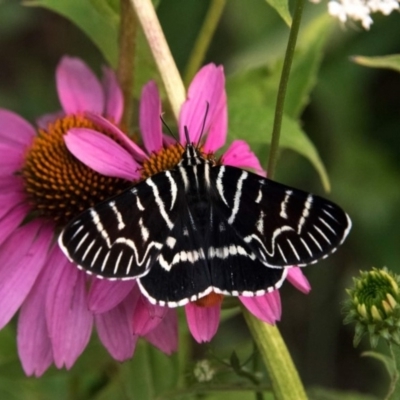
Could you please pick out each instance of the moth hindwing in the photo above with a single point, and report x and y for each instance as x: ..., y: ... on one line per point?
x: 201, y: 227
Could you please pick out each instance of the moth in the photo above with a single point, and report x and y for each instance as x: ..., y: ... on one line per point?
x: 203, y: 227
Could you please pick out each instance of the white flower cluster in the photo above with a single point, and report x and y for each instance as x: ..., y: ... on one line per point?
x: 203, y: 371
x: 360, y: 10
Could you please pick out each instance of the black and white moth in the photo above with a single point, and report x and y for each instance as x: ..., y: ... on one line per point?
x: 202, y: 227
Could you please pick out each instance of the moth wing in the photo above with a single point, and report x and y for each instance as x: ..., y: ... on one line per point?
x: 117, y: 238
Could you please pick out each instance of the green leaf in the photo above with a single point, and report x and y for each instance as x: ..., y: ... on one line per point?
x: 389, y: 62
x: 108, y: 8
x: 303, y: 76
x: 386, y: 360
x: 252, y: 120
x: 99, y: 25
x: 99, y: 20
x: 306, y: 64
x: 282, y: 8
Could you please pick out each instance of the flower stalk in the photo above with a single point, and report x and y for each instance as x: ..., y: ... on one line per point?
x: 203, y: 39
x: 280, y: 101
x: 285, y: 379
x: 126, y: 57
x: 162, y: 54
x: 394, y: 389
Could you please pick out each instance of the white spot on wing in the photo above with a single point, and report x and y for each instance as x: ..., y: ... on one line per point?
x: 139, y: 204
x: 329, y: 215
x: 174, y: 188
x: 171, y: 242
x: 184, y: 177
x: 238, y: 195
x: 143, y: 230
x: 305, y: 213
x: 88, y: 249
x: 220, y: 187
x: 281, y: 253
x: 128, y: 268
x: 259, y: 196
x: 77, y: 231
x: 159, y: 202
x: 207, y: 174
x: 306, y: 246
x: 314, y: 240
x: 284, y: 203
x: 327, y: 225
x: 293, y: 249
x: 81, y: 242
x: 260, y: 223
x: 105, y: 261
x: 121, y: 224
x: 118, y: 261
x: 95, y: 257
x: 322, y: 234
x: 100, y: 227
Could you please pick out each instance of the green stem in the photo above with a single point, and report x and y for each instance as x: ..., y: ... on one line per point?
x: 256, y: 362
x: 284, y: 377
x: 203, y: 39
x: 280, y: 101
x: 162, y: 55
x: 394, y: 389
x: 126, y: 59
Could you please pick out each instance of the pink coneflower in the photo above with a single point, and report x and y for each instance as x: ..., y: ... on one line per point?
x: 208, y: 87
x: 42, y: 185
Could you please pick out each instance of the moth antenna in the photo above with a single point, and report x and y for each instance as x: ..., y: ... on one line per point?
x: 170, y: 131
x: 187, y: 134
x: 204, y: 123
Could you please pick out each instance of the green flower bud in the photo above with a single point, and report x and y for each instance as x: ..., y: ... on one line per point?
x: 374, y: 306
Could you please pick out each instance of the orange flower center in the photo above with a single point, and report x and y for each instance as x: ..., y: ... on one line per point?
x: 212, y: 299
x: 58, y: 185
x: 166, y: 158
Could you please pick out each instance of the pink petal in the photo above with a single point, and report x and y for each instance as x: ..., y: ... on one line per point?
x: 147, y: 316
x: 266, y: 308
x: 34, y: 346
x: 101, y: 153
x: 114, y: 98
x: 46, y: 119
x: 216, y: 137
x: 149, y: 117
x: 165, y: 335
x: 11, y: 159
x: 12, y: 220
x: 168, y: 140
x: 202, y: 321
x: 22, y: 257
x: 11, y: 183
x: 206, y: 87
x: 105, y: 295
x: 298, y: 280
x: 68, y: 319
x: 114, y: 328
x: 78, y: 88
x: 121, y: 137
x: 8, y: 200
x: 14, y: 130
x: 240, y: 155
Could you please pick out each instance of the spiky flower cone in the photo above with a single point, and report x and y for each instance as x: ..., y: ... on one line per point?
x: 374, y: 306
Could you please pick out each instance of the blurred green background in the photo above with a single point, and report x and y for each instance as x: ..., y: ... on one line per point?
x: 353, y: 118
